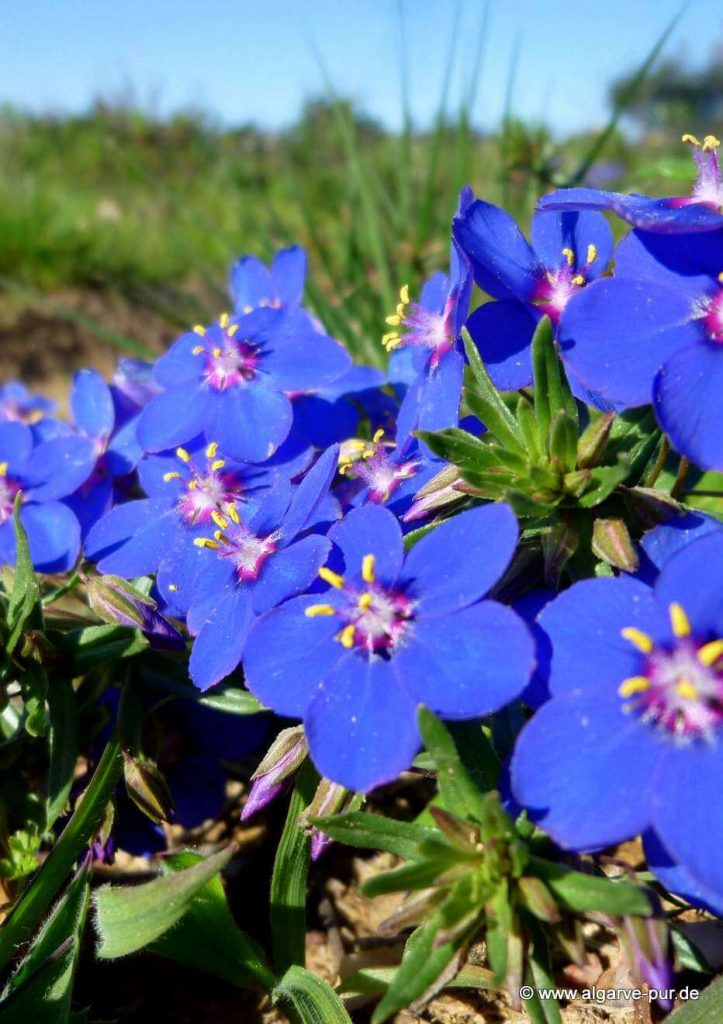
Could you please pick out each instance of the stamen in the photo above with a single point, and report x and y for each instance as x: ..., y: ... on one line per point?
x: 346, y: 637
x: 686, y: 689
x: 365, y: 601
x: 679, y: 620
x: 232, y: 330
x: 198, y: 350
x: 183, y: 455
x: 578, y: 279
x: 569, y: 256
x: 232, y: 512
x: 219, y: 520
x: 635, y: 684
x: 172, y: 587
x: 332, y: 578
x: 637, y: 638
x: 378, y: 435
x: 710, y: 653
x: 404, y: 294
x: 691, y: 140
x: 368, y: 568
x: 319, y: 609
x: 591, y: 254
x: 218, y: 464
x: 216, y: 352
x: 199, y: 329
x: 211, y: 450
x: 710, y: 142
x: 167, y: 477
x: 223, y: 320
x: 3, y: 469
x: 205, y: 542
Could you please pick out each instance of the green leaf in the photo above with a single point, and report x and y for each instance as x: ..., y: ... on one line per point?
x: 413, y: 876
x: 499, y: 925
x: 231, y: 699
x: 24, y: 608
x: 208, y: 938
x: 376, y: 832
x: 422, y: 964
x: 603, y: 481
x: 288, y: 882
x: 563, y: 439
x: 92, y: 646
x: 130, y: 917
x: 34, y: 689
x: 705, y: 1010
x: 552, y: 392
x: 458, y: 792
x: 539, y: 963
x: 63, y: 747
x: 580, y: 892
x: 687, y: 952
x: 486, y: 403
x: 310, y: 998
x: 41, y: 988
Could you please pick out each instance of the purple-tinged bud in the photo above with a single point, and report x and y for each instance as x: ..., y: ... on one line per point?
x: 147, y: 788
x: 330, y: 798
x: 282, y: 760
x: 611, y: 542
x: 646, y: 941
x: 593, y: 441
x: 115, y: 601
x: 442, y: 490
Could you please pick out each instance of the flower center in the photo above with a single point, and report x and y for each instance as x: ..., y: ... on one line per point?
x: 373, y: 618
x: 555, y: 289
x: 415, y: 325
x: 240, y: 546
x: 229, y: 360
x: 680, y: 688
x: 371, y: 462
x: 708, y: 188
x: 207, y: 490
x: 8, y: 490
x: 713, y: 315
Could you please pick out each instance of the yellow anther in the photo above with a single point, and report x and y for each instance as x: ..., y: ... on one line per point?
x: 218, y: 464
x: 167, y: 477
x: 638, y: 639
x: 198, y: 350
x: 356, y: 444
x: 205, y: 542
x: 720, y: 277
x: 569, y: 256
x: 691, y: 140
x: 378, y: 435
x: 686, y: 690
x: 223, y: 320
x: 365, y: 601
x: 710, y: 142
x: 232, y: 330
x: 635, y: 684
x: 319, y: 609
x: 393, y: 320
x: 346, y: 637
x: 591, y: 253
x: 679, y: 620
x: 404, y: 294
x: 172, y: 587
x: 216, y: 352
x: 578, y: 279
x: 192, y: 485
x: 368, y: 568
x: 211, y: 450
x: 391, y: 341
x: 183, y: 455
x: 332, y: 578
x: 199, y: 329
x: 221, y: 537
x: 232, y: 513
x: 219, y: 520
x: 368, y: 453
x: 709, y: 654
x: 3, y: 469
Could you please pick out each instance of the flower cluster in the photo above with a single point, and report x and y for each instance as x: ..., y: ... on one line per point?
x: 286, y: 512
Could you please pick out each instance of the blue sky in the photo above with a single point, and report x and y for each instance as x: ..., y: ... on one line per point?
x: 255, y: 60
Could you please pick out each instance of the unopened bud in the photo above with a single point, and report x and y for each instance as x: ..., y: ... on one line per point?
x: 147, y: 788
x: 115, y: 601
x: 593, y: 441
x: 646, y: 941
x: 538, y: 899
x: 282, y: 760
x: 330, y: 798
x: 611, y: 542
x: 441, y: 491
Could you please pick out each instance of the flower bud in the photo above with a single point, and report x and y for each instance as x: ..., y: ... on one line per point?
x: 330, y: 798
x: 115, y: 601
x: 646, y: 942
x: 441, y: 491
x: 147, y: 788
x: 611, y: 542
x: 282, y: 760
x: 593, y: 441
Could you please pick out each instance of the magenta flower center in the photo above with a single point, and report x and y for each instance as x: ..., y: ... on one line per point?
x: 422, y: 328
x: 713, y: 317
x: 244, y: 549
x: 8, y: 490
x: 229, y: 361
x: 371, y: 462
x: 680, y: 688
x: 207, y: 491
x: 556, y: 287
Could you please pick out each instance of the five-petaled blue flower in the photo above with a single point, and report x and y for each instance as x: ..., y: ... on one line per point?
x: 254, y: 286
x: 632, y: 739
x: 702, y: 210
x: 392, y: 633
x: 230, y: 381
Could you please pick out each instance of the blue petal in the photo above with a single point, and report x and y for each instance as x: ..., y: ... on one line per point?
x: 250, y: 284
x: 469, y: 663
x: 288, y: 654
x: 16, y: 447
x: 434, y: 292
x: 249, y: 422
x: 584, y: 770
x: 271, y: 508
x: 528, y: 608
x: 211, y: 580
x: 147, y: 529
x: 432, y: 399
x: 688, y: 263
x: 122, y: 523
x: 685, y: 809
x: 678, y: 879
x: 217, y: 648
x: 179, y: 569
x: 309, y: 494
x: 361, y: 724
x: 289, y: 272
x: 458, y: 562
x: 90, y: 503
x: 616, y: 334
x: 298, y: 357
x: 692, y: 578
x: 53, y: 535
x: 687, y: 398
x: 124, y: 451
x: 179, y: 366
x: 667, y: 539
x: 502, y: 331
x: 503, y: 262
x: 584, y: 626
x: 321, y: 422
x: 574, y: 230
x: 92, y: 404
x: 371, y: 530
x: 174, y: 417
x: 289, y: 572
x: 664, y: 215
x: 59, y: 467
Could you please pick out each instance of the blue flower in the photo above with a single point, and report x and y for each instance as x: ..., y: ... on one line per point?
x: 188, y: 491
x: 230, y: 381
x: 253, y: 286
x: 700, y: 211
x: 392, y: 633
x: 632, y: 739
x: 430, y: 330
x: 45, y: 472
x: 528, y: 281
x: 655, y: 332
x: 16, y: 403
x: 252, y: 563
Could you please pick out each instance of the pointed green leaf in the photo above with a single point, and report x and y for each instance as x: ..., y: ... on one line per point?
x: 552, y: 392
x: 63, y: 747
x: 310, y: 998
x: 486, y: 403
x: 421, y: 966
x: 376, y: 832
x: 24, y: 609
x: 458, y: 792
x: 580, y: 892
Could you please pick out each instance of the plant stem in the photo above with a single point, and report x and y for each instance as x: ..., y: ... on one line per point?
x: 657, y: 468
x: 680, y: 478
